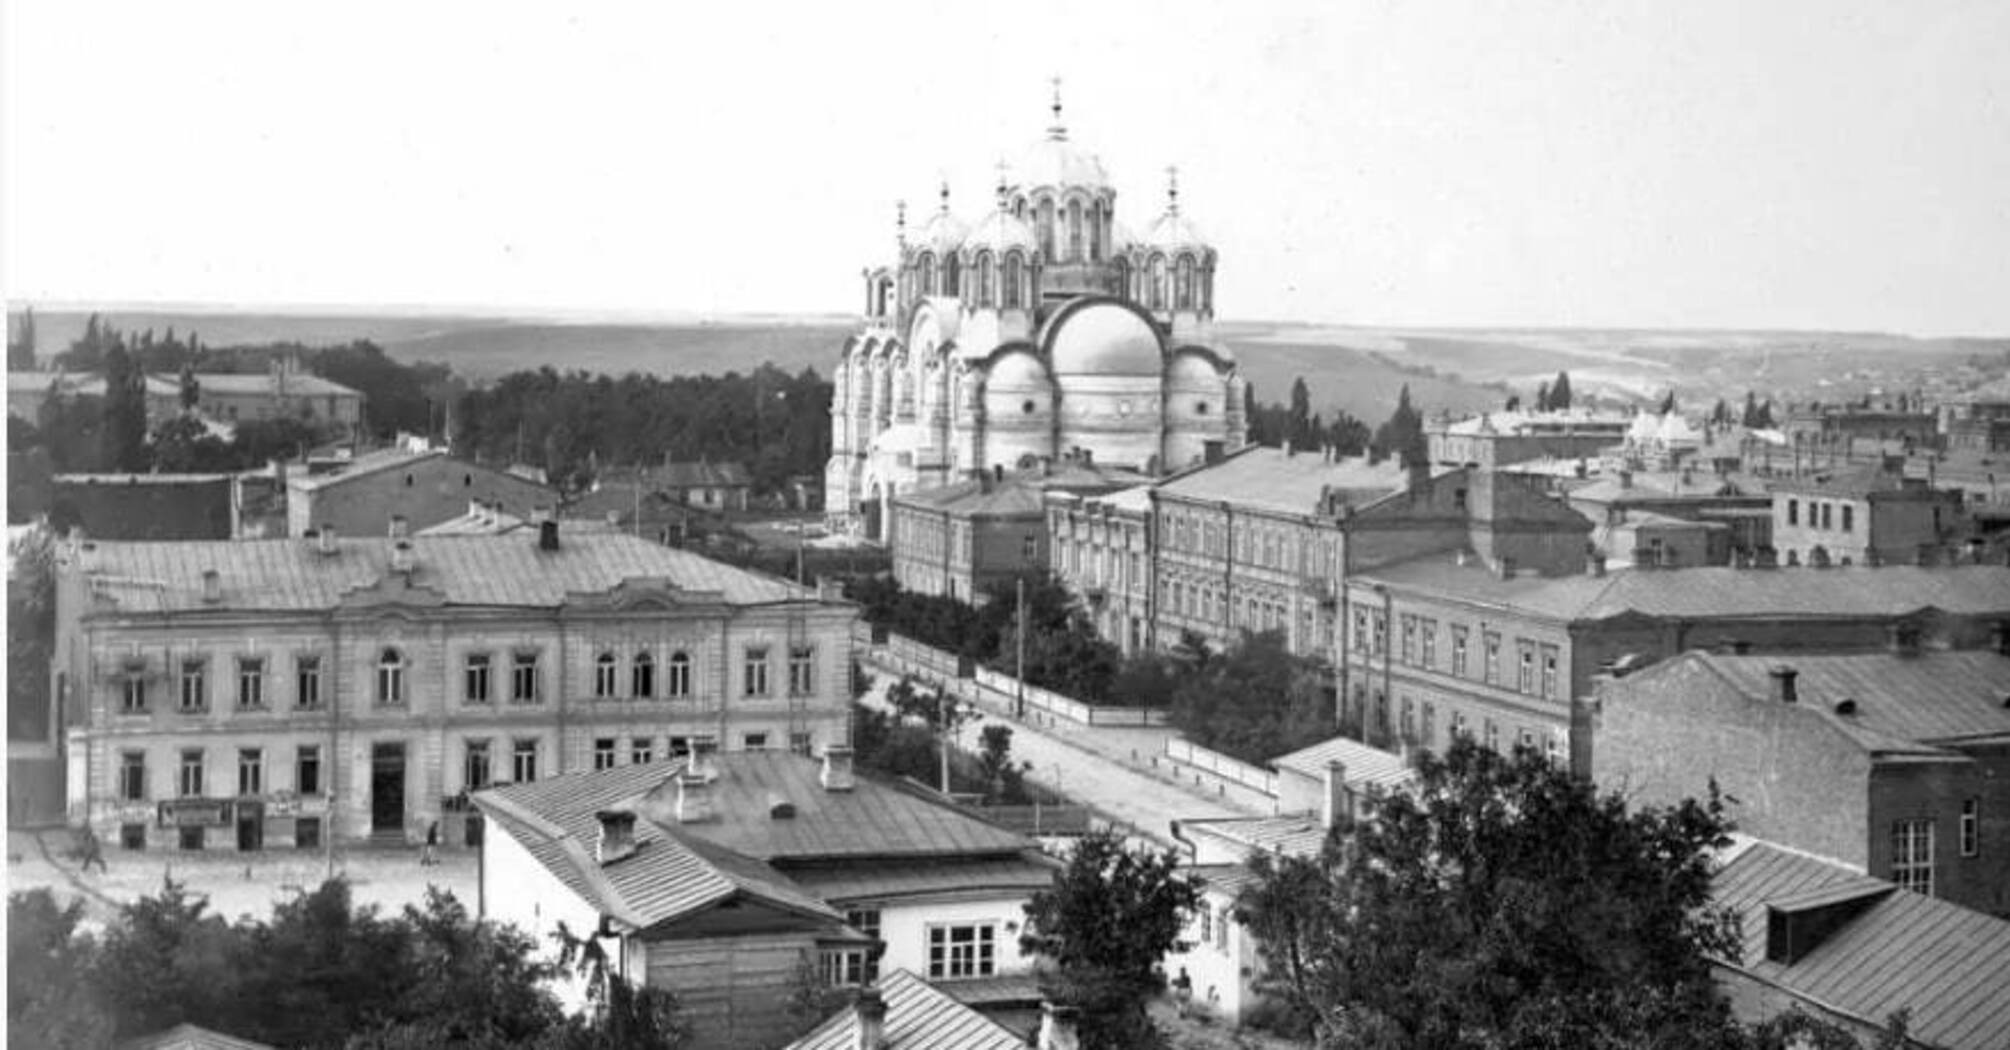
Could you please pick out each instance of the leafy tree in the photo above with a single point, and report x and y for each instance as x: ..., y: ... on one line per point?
x: 167, y: 960
x: 1559, y: 392
x: 1255, y: 702
x: 1542, y: 397
x: 1504, y: 904
x: 1667, y: 403
x: 21, y: 343
x: 1109, y: 918
x: 31, y: 623
x: 125, y: 409
x: 191, y: 390
x: 1513, y: 403
x: 1298, y: 426
x: 1403, y: 435
x: 51, y: 1001
x: 1005, y: 780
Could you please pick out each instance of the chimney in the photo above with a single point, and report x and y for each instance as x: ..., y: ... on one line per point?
x: 1625, y: 479
x: 1786, y: 684
x: 2001, y: 636
x: 779, y: 807
x: 1339, y: 802
x: 617, y: 835
x: 1595, y: 563
x: 1287, y: 448
x: 1505, y: 566
x: 870, y: 1008
x: 212, y: 586
x: 401, y: 556
x: 694, y: 797
x: 327, y: 539
x: 837, y: 772
x: 400, y: 527
x: 1905, y: 640
x: 1057, y: 1027
x: 1211, y: 451
x: 547, y: 534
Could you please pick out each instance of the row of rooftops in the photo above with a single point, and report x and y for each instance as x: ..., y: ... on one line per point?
x: 236, y: 384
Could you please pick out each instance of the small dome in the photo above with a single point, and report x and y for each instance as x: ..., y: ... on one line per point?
x: 1174, y: 233
x: 1016, y: 370
x: 1000, y: 231
x: 1105, y: 339
x: 942, y: 234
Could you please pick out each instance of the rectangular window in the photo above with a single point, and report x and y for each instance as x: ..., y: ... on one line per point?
x: 1550, y: 656
x: 191, y: 836
x: 677, y: 680
x: 1379, y: 634
x: 307, y: 682
x: 475, y: 688
x: 604, y: 752
x: 1493, y: 737
x: 1408, y: 654
x: 754, y: 742
x: 523, y: 761
x: 1430, y: 632
x: 194, y: 691
x: 1206, y: 924
x: 477, y: 766
x: 1458, y: 725
x: 1971, y: 827
x: 190, y: 784
x: 802, y: 670
x: 133, y: 776
x: 845, y: 967
x: 866, y: 921
x: 1493, y: 658
x: 307, y: 770
x: 642, y: 677
x: 1849, y: 518
x: 1429, y: 736
x: 1525, y: 670
x: 135, y: 695
x: 754, y: 679
x: 133, y: 836
x: 250, y: 682
x: 1793, y: 512
x: 523, y: 678
x: 1459, y: 637
x: 250, y: 771
x: 642, y: 750
x: 606, y: 671
x: 1828, y: 516
x: 962, y: 951
x: 1030, y: 549
x: 307, y: 833
x: 1409, y: 719
x: 1912, y: 854
x: 1552, y: 749
x: 801, y: 743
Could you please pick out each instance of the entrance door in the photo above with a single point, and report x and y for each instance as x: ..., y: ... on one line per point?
x: 250, y: 826
x: 387, y: 787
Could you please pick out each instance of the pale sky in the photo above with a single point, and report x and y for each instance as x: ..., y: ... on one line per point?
x: 1680, y: 163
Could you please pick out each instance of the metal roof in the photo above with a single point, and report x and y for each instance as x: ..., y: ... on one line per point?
x: 918, y: 1017
x: 1712, y: 592
x: 361, y: 466
x: 1267, y: 479
x: 1292, y: 834
x: 1934, y: 697
x: 1226, y: 879
x: 495, y: 571
x: 890, y: 880
x: 1947, y: 964
x: 190, y: 1037
x: 1366, y: 767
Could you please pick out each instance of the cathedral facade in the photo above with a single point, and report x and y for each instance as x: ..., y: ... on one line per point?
x: 1042, y: 331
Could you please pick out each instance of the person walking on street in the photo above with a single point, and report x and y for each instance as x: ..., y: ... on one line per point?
x: 1183, y: 991
x: 430, y: 856
x: 93, y: 852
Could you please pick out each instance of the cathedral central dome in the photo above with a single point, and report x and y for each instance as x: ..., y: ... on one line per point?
x: 1060, y: 164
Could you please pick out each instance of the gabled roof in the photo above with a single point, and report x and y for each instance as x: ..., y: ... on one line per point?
x: 190, y: 1037
x: 1714, y: 592
x: 1022, y: 493
x: 1948, y: 965
x: 918, y: 1017
x: 1366, y: 767
x: 702, y: 474
x: 1289, y: 834
x: 1267, y: 479
x: 362, y: 466
x: 493, y: 571
x: 1932, y: 698
x: 891, y: 880
x: 297, y: 384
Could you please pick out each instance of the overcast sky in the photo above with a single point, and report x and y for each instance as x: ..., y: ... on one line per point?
x: 1708, y: 163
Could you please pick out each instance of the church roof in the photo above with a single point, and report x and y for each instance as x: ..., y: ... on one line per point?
x: 1103, y: 339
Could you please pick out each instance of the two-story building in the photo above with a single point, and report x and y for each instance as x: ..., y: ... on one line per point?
x: 731, y: 879
x: 1102, y: 552
x: 359, y: 497
x: 1500, y: 439
x: 1460, y: 643
x: 1865, y: 517
x: 960, y: 538
x: 1896, y: 762
x: 248, y: 694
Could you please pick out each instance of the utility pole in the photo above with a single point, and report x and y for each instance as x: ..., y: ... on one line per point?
x: 943, y: 731
x: 1019, y: 676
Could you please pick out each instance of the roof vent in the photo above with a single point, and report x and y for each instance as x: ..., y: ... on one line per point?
x: 212, y: 586
x: 617, y: 835
x: 326, y: 539
x: 1846, y: 706
x: 1786, y: 684
x: 547, y: 534
x: 780, y: 808
x: 401, y: 556
x: 837, y: 771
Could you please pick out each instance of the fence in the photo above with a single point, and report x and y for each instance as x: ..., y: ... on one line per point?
x: 1000, y: 689
x: 1181, y: 752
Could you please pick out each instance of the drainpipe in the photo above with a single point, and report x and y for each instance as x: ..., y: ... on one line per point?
x: 334, y: 698
x: 1388, y: 649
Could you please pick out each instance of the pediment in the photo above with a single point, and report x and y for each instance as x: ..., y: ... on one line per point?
x: 393, y: 590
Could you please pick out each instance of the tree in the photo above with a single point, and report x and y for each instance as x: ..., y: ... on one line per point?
x: 1667, y: 403
x: 125, y: 408
x: 31, y: 623
x: 1255, y: 702
x: 51, y: 1001
x: 167, y: 960
x: 1505, y: 903
x: 1111, y: 915
x: 1720, y: 413
x: 1298, y: 425
x: 1559, y: 392
x: 21, y: 343
x: 1403, y: 434
x: 1513, y: 403
x: 1542, y: 397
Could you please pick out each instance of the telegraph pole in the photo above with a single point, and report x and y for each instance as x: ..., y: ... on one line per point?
x: 1019, y: 676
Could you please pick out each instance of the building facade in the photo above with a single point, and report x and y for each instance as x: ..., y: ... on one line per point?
x: 272, y: 693
x: 1041, y: 329
x: 1499, y: 439
x: 1102, y: 552
x: 958, y: 539
x: 424, y: 488
x: 1864, y: 518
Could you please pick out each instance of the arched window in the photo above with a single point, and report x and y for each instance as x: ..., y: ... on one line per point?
x: 1047, y: 228
x: 985, y: 277
x: 1075, y: 230
x: 1183, y: 283
x: 390, y: 676
x: 924, y: 269
x: 1014, y: 275
x: 1155, y: 284
x: 1123, y: 278
x: 642, y: 676
x: 1207, y: 289
x: 678, y: 681
x: 604, y: 667
x: 950, y: 273
x: 1096, y: 231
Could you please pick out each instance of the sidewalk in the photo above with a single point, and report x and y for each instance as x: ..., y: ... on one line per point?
x: 1106, y: 767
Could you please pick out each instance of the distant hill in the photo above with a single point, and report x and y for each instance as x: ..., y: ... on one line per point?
x: 1357, y: 368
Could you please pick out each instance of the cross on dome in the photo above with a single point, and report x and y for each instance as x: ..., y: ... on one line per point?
x: 1057, y: 130
x: 900, y: 222
x: 1172, y: 189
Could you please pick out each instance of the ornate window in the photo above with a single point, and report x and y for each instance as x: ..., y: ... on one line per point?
x: 475, y: 679
x: 642, y: 676
x: 1015, y: 269
x: 1183, y: 283
x: 1047, y: 229
x: 677, y: 677
x: 951, y: 271
x: 1075, y: 230
x: 523, y: 678
x: 924, y: 271
x: 1155, y: 284
x: 606, y: 671
x: 1096, y: 231
x: 390, y: 677
x: 986, y: 274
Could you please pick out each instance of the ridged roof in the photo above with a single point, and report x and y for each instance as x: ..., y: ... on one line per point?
x: 1933, y: 698
x: 918, y: 1017
x: 507, y: 571
x: 1266, y: 478
x: 1290, y: 834
x: 1948, y: 965
x: 190, y: 1037
x: 1366, y: 767
x: 908, y: 878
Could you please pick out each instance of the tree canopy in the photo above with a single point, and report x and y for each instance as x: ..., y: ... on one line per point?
x: 1256, y: 701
